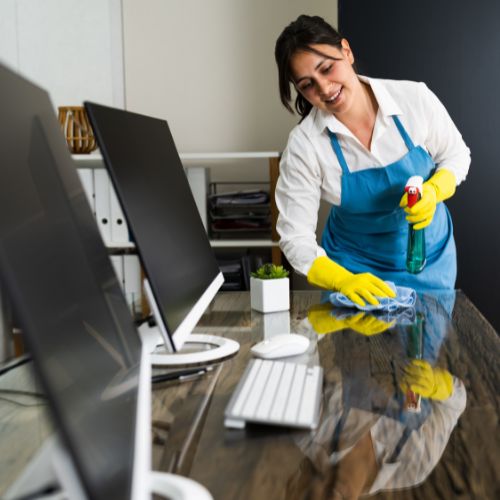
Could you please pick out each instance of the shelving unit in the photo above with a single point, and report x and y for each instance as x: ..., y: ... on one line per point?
x: 273, y: 160
x: 94, y: 160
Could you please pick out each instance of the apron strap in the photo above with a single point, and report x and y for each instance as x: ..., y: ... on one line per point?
x: 338, y: 151
x: 404, y: 134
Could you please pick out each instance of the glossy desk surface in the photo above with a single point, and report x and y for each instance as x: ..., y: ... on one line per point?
x: 450, y: 450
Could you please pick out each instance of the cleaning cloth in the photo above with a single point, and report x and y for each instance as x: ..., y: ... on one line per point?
x: 400, y: 316
x: 405, y: 297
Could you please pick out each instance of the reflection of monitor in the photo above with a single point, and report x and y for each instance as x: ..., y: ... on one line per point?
x: 72, y: 311
x: 182, y: 273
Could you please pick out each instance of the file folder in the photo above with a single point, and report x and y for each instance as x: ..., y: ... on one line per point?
x: 103, y: 204
x: 119, y: 228
x: 87, y: 180
x: 133, y: 283
x: 117, y: 261
x: 198, y: 182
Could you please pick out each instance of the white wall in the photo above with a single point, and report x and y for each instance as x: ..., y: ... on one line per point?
x: 207, y: 67
x: 71, y: 48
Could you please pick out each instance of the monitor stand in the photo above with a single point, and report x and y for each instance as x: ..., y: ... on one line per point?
x: 157, y: 336
x: 154, y: 342
x: 51, y: 475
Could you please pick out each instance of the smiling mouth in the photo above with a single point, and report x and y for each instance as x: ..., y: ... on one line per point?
x: 334, y: 97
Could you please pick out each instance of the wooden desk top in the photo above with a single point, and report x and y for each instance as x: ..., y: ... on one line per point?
x: 452, y: 450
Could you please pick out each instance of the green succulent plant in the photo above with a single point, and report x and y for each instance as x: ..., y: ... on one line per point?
x: 270, y: 272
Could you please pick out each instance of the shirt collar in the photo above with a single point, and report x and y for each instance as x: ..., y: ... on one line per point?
x: 318, y: 120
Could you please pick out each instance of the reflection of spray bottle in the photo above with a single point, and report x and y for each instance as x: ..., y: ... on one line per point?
x: 415, y: 350
x: 415, y: 254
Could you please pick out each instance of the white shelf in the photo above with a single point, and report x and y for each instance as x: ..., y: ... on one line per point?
x: 214, y: 243
x: 199, y: 156
x: 95, y: 156
x: 120, y: 246
x: 243, y: 243
x: 229, y: 156
x: 186, y: 157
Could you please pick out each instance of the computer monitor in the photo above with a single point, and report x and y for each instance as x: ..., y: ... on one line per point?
x: 71, y: 309
x: 181, y: 270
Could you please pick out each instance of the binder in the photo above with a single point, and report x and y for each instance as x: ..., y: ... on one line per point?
x: 119, y: 228
x: 87, y: 180
x: 198, y: 182
x: 103, y: 203
x: 132, y: 282
x: 117, y: 261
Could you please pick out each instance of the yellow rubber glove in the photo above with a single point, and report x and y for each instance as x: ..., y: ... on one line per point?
x: 439, y: 187
x: 368, y: 324
x: 324, y: 321
x: 321, y: 319
x: 421, y: 378
x: 358, y: 287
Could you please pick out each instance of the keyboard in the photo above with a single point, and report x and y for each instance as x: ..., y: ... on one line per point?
x: 277, y: 393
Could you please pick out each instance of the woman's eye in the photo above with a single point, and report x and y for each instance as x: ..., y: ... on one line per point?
x: 327, y: 69
x: 306, y: 86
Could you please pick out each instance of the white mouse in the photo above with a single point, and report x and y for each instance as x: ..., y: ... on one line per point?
x: 280, y: 346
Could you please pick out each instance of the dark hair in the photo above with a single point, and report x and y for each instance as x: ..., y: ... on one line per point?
x: 299, y: 36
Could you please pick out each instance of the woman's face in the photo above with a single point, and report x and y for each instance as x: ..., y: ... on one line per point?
x: 328, y: 82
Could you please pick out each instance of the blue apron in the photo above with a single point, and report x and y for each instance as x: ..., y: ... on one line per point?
x: 368, y: 232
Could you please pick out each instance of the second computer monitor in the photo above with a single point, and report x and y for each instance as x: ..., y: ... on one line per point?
x: 151, y: 184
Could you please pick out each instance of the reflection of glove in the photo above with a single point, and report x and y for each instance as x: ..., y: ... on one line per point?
x: 328, y: 274
x: 323, y: 321
x: 439, y: 187
x: 421, y: 378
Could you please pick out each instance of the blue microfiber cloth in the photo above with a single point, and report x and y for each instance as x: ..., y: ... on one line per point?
x: 401, y: 316
x: 405, y: 297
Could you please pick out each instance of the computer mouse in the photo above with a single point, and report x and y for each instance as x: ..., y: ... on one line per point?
x: 281, y: 346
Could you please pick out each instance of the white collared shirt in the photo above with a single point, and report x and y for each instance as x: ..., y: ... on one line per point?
x: 310, y: 171
x: 419, y: 453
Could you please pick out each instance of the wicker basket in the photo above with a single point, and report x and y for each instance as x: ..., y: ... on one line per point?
x: 77, y: 129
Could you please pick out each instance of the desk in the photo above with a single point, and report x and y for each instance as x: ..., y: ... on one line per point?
x: 266, y: 463
x: 275, y: 463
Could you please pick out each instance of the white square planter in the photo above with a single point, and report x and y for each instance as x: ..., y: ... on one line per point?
x: 270, y: 295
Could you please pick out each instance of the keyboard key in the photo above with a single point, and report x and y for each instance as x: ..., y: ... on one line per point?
x: 269, y: 391
x: 256, y: 390
x: 292, y: 408
x: 309, y: 397
x: 283, y: 393
x: 249, y: 380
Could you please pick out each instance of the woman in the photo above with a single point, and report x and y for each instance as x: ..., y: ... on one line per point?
x: 358, y: 142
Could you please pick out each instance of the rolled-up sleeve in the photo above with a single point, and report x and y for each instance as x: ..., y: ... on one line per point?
x: 298, y: 193
x: 444, y: 142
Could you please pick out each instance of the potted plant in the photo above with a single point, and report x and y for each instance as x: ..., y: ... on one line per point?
x: 270, y: 289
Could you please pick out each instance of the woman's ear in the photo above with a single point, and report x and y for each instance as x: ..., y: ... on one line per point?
x: 347, y: 50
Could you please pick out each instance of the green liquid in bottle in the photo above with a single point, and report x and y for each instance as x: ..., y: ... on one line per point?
x: 415, y: 257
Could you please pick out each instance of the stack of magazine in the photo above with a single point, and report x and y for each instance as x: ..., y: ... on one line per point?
x: 239, y: 214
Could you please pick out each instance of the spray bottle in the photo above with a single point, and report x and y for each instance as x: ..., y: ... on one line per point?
x: 414, y: 350
x: 415, y: 256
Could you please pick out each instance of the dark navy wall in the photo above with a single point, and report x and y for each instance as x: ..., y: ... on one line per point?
x: 454, y: 47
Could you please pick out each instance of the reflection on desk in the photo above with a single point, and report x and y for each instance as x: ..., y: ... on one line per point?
x: 24, y: 422
x: 448, y: 460
x: 448, y: 450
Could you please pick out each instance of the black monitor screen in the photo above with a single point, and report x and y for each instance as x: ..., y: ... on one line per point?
x: 152, y: 186
x: 65, y: 293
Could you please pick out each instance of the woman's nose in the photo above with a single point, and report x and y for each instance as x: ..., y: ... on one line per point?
x: 323, y: 87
